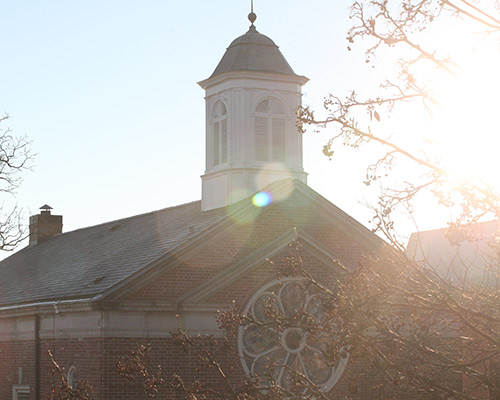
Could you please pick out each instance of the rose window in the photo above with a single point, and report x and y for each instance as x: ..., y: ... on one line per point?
x: 266, y: 349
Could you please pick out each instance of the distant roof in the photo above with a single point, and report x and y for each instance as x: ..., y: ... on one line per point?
x: 253, y: 52
x: 85, y: 262
x: 458, y: 252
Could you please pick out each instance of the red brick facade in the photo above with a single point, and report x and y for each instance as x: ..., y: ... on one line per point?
x: 16, y: 354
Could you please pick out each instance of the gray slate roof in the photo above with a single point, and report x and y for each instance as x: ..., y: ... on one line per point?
x: 253, y: 52
x: 85, y: 262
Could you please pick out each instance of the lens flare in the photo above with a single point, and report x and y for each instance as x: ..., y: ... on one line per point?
x: 262, y: 199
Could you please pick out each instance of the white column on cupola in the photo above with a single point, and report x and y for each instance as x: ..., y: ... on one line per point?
x: 251, y: 135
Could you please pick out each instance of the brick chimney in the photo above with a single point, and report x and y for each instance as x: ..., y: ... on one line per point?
x: 44, y: 225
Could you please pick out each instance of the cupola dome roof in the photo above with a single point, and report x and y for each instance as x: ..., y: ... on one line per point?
x: 253, y: 52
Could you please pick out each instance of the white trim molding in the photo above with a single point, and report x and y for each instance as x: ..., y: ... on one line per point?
x: 19, y: 389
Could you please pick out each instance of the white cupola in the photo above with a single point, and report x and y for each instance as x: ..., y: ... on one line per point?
x: 251, y: 137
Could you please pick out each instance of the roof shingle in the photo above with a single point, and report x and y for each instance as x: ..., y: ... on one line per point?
x: 86, y: 262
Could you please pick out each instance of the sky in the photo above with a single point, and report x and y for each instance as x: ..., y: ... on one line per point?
x: 107, y: 93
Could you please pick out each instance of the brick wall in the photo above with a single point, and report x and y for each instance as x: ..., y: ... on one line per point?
x: 95, y: 358
x: 15, y: 354
x: 85, y: 354
x: 242, y: 240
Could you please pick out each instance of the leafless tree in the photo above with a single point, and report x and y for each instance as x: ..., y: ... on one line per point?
x: 135, y: 367
x: 61, y: 389
x: 15, y: 158
x: 399, y: 28
x: 418, y: 331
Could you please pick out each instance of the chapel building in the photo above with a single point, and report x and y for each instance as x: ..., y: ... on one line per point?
x: 91, y: 295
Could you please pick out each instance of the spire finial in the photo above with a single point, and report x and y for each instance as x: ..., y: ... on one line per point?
x: 252, y: 17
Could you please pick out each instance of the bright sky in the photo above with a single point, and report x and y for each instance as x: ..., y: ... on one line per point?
x: 107, y: 92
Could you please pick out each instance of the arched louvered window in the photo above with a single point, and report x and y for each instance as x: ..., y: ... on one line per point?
x: 219, y: 129
x: 269, y: 131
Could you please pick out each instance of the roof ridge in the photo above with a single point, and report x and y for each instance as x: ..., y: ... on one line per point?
x: 129, y: 218
x: 463, y: 225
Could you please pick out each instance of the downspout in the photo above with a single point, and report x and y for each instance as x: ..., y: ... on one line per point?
x: 101, y: 389
x: 37, y: 356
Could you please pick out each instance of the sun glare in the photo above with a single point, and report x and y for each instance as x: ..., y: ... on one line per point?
x: 463, y: 133
x: 466, y: 127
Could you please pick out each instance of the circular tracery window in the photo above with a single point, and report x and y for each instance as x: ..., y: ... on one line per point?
x: 268, y: 351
